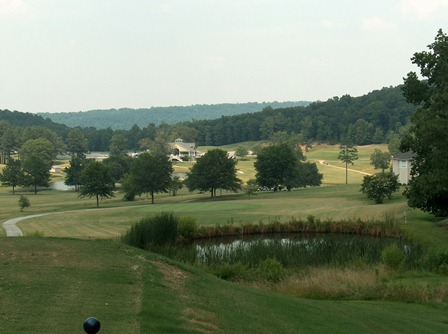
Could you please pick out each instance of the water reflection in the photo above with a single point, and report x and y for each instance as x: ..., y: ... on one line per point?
x: 295, y: 250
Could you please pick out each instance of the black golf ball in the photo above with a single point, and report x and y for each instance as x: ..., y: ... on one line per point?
x: 92, y: 325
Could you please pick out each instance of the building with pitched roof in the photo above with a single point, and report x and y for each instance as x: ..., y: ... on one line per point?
x: 401, y: 166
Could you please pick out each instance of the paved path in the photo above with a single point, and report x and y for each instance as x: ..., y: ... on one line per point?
x: 11, y: 228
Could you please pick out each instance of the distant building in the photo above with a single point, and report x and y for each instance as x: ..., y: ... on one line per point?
x: 402, y: 164
x: 183, y: 151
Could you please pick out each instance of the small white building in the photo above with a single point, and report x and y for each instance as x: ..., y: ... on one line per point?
x: 401, y: 166
x: 183, y: 150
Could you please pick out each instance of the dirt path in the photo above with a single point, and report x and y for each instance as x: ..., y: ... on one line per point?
x: 323, y: 162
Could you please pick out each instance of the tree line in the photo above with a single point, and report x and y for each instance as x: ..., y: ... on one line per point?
x: 378, y: 117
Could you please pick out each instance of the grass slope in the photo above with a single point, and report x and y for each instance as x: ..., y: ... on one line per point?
x: 52, y: 285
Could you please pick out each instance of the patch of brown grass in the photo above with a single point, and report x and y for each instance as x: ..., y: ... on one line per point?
x: 176, y: 279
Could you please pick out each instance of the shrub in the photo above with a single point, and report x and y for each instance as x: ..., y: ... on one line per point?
x: 231, y: 271
x: 187, y: 227
x: 379, y: 186
x: 24, y: 202
x: 151, y: 232
x: 271, y: 270
x: 392, y: 256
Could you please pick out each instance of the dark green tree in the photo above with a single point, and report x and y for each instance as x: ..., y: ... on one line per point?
x: 150, y: 174
x: 24, y: 202
x: 175, y: 185
x: 36, y: 172
x: 38, y: 148
x: 77, y: 144
x: 276, y: 167
x: 12, y: 174
x: 380, y: 159
x: 118, y: 145
x: 97, y: 182
x: 74, y: 171
x: 7, y: 141
x: 348, y: 154
x: 118, y: 165
x: 427, y: 137
x: 379, y: 186
x: 241, y: 151
x: 214, y: 170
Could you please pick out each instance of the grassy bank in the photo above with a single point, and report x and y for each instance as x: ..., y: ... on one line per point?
x: 54, y: 284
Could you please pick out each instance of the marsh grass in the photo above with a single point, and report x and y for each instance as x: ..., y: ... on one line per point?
x: 360, y: 282
x: 150, y: 233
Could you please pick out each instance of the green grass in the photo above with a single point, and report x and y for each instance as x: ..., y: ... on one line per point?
x: 54, y: 284
x: 335, y: 202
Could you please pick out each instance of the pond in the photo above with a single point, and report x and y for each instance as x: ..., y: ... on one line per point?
x: 60, y: 185
x: 297, y: 250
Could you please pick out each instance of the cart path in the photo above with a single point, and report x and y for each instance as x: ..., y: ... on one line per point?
x: 323, y: 162
x: 12, y: 230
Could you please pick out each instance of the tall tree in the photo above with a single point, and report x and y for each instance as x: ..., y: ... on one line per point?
x: 214, y: 170
x: 348, y: 154
x: 427, y: 137
x: 150, y: 173
x: 276, y: 166
x: 74, y: 171
x: 118, y: 145
x: 40, y: 132
x: 7, y: 141
x: 37, y: 172
x: 12, y: 175
x: 39, y: 148
x: 96, y: 182
x: 77, y: 144
x: 380, y: 159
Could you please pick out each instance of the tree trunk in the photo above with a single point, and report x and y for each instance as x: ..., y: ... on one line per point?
x: 97, y: 201
x: 346, y: 172
x: 152, y: 197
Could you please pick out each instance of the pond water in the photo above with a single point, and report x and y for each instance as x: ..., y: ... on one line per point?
x: 294, y: 250
x: 60, y: 185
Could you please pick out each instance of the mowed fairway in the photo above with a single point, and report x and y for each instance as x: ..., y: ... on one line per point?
x: 330, y: 202
x: 333, y: 200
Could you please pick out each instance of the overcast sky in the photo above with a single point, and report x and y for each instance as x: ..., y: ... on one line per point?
x: 76, y: 55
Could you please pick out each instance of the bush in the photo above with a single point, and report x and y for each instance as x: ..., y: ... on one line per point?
x: 271, y: 270
x: 153, y: 232
x: 24, y: 202
x: 187, y: 227
x: 231, y: 272
x: 379, y: 186
x: 392, y: 256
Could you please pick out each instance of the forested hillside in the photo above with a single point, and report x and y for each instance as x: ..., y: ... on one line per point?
x: 377, y: 117
x: 360, y: 120
x: 125, y: 118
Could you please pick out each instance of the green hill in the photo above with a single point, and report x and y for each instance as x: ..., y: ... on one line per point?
x: 52, y: 285
x: 125, y: 118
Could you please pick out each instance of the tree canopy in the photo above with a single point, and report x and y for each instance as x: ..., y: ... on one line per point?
x: 348, y: 154
x: 380, y: 159
x: 149, y: 173
x: 97, y: 182
x: 279, y: 166
x: 427, y: 137
x: 214, y: 170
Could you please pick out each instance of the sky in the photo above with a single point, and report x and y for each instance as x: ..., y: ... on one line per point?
x: 66, y: 55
